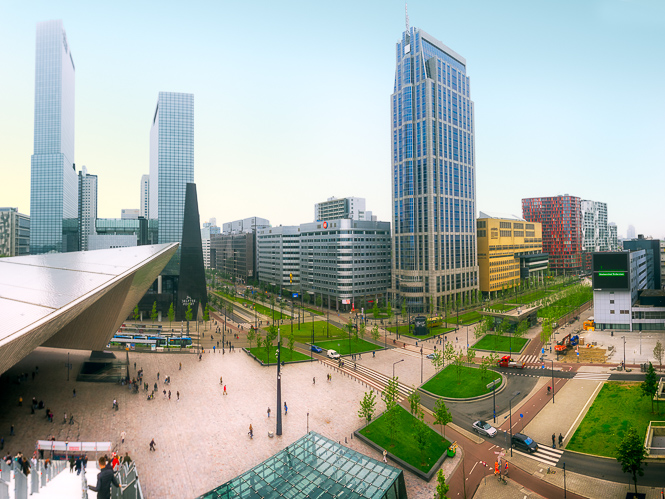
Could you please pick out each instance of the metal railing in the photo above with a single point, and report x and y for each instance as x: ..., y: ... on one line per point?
x: 40, y: 476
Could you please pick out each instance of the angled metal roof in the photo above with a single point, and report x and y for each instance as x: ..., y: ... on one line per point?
x: 72, y: 300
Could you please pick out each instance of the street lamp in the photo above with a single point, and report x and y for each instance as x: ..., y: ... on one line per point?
x: 624, y: 352
x: 421, y: 365
x: 511, y: 422
x: 278, y: 430
x: 401, y: 360
x: 552, y: 380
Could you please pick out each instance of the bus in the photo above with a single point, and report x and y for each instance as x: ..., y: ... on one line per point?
x: 434, y: 322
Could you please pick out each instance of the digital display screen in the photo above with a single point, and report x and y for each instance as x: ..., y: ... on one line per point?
x: 611, y: 271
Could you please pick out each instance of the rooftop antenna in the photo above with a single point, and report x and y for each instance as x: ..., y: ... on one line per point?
x: 406, y: 11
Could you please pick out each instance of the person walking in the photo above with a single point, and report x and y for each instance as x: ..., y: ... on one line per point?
x: 220, y: 381
x: 286, y: 409
x: 180, y: 367
x: 169, y: 394
x: 224, y: 389
x: 105, y: 478
x: 152, y: 445
x: 72, y: 462
x: 385, y: 454
x: 74, y: 392
x: 268, y: 412
x: 158, y: 376
x: 177, y: 394
x: 251, y: 431
x: 560, y: 440
x: 553, y: 440
x: 122, y: 436
x: 314, y: 380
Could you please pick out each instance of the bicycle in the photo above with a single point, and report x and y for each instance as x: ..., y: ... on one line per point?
x: 502, y: 479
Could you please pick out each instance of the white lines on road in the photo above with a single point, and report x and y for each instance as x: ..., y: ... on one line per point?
x: 544, y: 454
x: 592, y: 376
x: 529, y: 359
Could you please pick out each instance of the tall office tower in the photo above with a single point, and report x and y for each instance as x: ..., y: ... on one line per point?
x: 630, y: 232
x: 561, y: 217
x: 595, y: 234
x: 144, y: 209
x: 87, y: 207
x: 53, y: 180
x: 433, y: 175
x: 612, y: 238
x: 171, y: 164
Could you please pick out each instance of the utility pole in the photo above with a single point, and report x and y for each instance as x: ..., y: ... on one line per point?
x: 278, y: 430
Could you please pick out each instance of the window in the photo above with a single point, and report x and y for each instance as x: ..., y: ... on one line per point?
x: 611, y: 301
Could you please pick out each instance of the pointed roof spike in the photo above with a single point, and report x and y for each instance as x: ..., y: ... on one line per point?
x: 406, y: 11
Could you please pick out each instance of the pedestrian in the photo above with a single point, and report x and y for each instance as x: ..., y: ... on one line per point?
x: 177, y: 394
x: 180, y: 367
x: 20, y: 401
x: 224, y: 389
x: 74, y: 392
x: 164, y: 392
x: 126, y: 460
x: 214, y: 349
x: 251, y: 432
x: 155, y: 387
x: 314, y: 380
x: 122, y: 436
x: 286, y: 409
x: 157, y: 376
x: 135, y: 366
x: 553, y: 440
x: 169, y: 394
x: 152, y: 445
x: 105, y: 478
x: 560, y: 440
x: 385, y: 454
x: 268, y: 412
x: 220, y: 381
x: 72, y: 462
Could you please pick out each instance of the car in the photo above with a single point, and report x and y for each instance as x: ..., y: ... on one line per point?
x: 333, y: 354
x: 431, y: 355
x: 521, y: 442
x: 484, y: 428
x: 316, y: 349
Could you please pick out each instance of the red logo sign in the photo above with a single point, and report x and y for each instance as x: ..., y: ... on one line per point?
x: 325, y: 225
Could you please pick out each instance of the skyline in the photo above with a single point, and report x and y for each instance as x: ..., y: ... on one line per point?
x: 551, y: 85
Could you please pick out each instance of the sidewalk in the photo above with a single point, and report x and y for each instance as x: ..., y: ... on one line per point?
x: 491, y: 488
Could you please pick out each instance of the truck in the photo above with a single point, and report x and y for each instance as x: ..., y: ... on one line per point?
x: 567, y: 342
x: 589, y: 324
x: 507, y: 361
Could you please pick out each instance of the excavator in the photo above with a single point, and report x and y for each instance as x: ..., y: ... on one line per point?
x: 567, y: 342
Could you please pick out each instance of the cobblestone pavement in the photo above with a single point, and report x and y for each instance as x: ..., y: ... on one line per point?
x: 201, y: 440
x: 491, y: 488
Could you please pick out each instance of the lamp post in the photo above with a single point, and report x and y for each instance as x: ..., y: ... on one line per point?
x: 624, y: 352
x: 511, y: 422
x: 401, y: 360
x: 552, y: 380
x: 308, y: 421
x: 278, y: 430
x: 421, y: 365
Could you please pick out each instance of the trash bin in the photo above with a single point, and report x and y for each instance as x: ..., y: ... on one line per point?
x: 451, y: 451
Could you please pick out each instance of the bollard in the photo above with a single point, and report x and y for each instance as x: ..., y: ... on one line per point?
x: 345, y: 441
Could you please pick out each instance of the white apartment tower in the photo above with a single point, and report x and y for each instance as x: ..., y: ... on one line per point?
x: 144, y: 207
x: 595, y: 232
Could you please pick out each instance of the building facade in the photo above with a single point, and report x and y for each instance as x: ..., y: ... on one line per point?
x: 171, y: 165
x: 613, y: 238
x: 595, y: 232
x: 251, y: 224
x: 433, y: 174
x: 130, y: 213
x: 510, y: 249
x: 87, y: 206
x: 53, y: 179
x: 334, y: 209
x: 209, y: 228
x: 278, y: 255
x: 14, y: 233
x: 144, y: 204
x: 652, y: 248
x: 143, y: 231
x: 561, y: 219
x: 345, y: 261
x: 235, y: 254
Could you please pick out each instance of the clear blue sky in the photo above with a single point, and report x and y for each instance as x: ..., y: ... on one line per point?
x: 292, y: 99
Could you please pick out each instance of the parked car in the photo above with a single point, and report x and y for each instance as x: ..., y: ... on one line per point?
x: 316, y: 349
x: 333, y: 354
x: 484, y: 428
x: 521, y: 442
x: 431, y: 356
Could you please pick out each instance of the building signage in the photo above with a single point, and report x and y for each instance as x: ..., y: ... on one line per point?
x: 325, y: 225
x: 188, y: 301
x: 611, y: 270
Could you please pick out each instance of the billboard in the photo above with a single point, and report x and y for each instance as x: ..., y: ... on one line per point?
x: 611, y: 271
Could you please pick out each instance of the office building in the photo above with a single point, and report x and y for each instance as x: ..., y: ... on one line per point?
x: 630, y: 232
x: 595, y: 233
x: 87, y: 206
x: 652, y: 248
x: 345, y: 261
x: 561, y: 219
x: 278, y: 255
x: 251, y: 224
x: 53, y: 179
x: 144, y: 205
x: 113, y: 232
x: 209, y: 228
x: 14, y: 233
x: 234, y: 254
x: 613, y: 238
x: 334, y: 209
x: 130, y: 213
x: 433, y: 175
x: 510, y: 250
x: 624, y: 298
x: 171, y: 165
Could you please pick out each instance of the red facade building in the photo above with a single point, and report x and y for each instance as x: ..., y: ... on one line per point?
x: 561, y: 217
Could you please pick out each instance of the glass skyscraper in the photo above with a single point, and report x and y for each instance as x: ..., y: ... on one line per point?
x: 171, y: 164
x: 434, y: 178
x: 53, y: 179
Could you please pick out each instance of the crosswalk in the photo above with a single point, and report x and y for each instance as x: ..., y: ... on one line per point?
x: 529, y: 359
x: 592, y: 376
x: 544, y: 454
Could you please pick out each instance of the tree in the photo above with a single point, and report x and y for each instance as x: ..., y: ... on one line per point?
x: 484, y: 364
x: 389, y: 310
x: 206, y: 313
x: 437, y: 361
x: 291, y: 342
x: 136, y: 313
x: 546, y: 331
x: 458, y: 360
x: 171, y: 314
x: 521, y: 329
x: 442, y: 487
x: 229, y: 309
x: 362, y: 331
x: 470, y: 355
x: 376, y: 335
x: 442, y: 415
x: 414, y: 401
x: 375, y: 311
x: 251, y: 336
x: 658, y: 353
x: 403, y: 311
x: 631, y: 454
x: 650, y: 384
x: 319, y: 301
x: 367, y: 406
x: 390, y: 398
x: 271, y: 334
x: 153, y: 312
x: 449, y: 352
x: 188, y: 313
x: 500, y: 331
x: 421, y: 435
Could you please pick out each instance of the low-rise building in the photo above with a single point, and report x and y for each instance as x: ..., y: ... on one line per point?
x: 14, y: 233
x: 117, y: 233
x: 234, y: 254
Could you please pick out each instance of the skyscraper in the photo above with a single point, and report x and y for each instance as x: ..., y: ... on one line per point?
x: 53, y: 180
x: 171, y: 163
x: 433, y: 175
x: 144, y: 207
x: 87, y: 207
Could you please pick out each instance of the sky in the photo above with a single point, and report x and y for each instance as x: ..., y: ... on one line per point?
x: 292, y: 99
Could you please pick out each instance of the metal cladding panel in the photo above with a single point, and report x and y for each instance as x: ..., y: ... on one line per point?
x: 86, y: 321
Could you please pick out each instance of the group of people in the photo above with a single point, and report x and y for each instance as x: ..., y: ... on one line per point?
x: 554, y: 440
x: 21, y: 461
x: 77, y: 463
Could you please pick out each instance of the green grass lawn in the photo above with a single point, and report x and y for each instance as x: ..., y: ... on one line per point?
x: 314, y: 311
x: 401, y: 329
x: 464, y: 319
x: 431, y: 332
x: 286, y: 355
x: 261, y: 309
x: 341, y: 345
x: 617, y: 407
x: 404, y: 444
x: 528, y: 298
x: 472, y: 384
x: 304, y: 334
x: 500, y: 344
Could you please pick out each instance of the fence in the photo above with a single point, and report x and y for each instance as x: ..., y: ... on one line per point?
x: 40, y: 475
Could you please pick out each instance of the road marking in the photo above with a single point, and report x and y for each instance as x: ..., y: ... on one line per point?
x: 592, y: 376
x: 529, y: 359
x: 544, y: 454
x: 474, y: 467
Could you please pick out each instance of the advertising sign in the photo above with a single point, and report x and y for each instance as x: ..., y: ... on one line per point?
x: 611, y: 271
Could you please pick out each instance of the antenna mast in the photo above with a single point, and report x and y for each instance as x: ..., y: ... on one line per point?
x: 406, y: 11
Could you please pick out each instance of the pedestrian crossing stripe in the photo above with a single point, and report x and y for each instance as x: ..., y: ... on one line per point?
x: 529, y: 359
x: 592, y: 376
x: 544, y: 454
